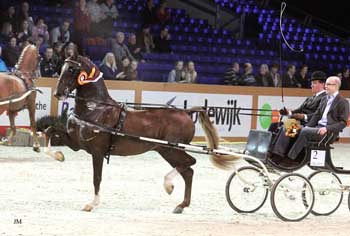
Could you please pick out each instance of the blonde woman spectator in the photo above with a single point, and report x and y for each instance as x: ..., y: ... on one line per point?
x: 264, y: 78
x: 108, y: 67
x: 190, y: 73
x: 177, y: 74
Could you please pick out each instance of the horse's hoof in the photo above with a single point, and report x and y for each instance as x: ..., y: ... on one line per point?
x: 178, y: 210
x: 36, y: 149
x: 169, y: 188
x: 58, y: 155
x: 88, y: 208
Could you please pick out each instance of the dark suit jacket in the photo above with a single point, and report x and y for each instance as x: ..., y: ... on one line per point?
x: 310, y: 105
x: 337, y: 115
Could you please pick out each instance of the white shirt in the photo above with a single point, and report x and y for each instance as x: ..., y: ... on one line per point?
x: 330, y: 99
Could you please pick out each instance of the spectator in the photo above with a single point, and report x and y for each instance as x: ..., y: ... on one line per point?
x: 302, y: 78
x: 276, y: 77
x: 148, y: 13
x: 289, y: 80
x: 11, y: 53
x: 120, y: 50
x: 134, y: 48
x: 108, y: 67
x: 10, y: 17
x: 40, y: 44
x: 264, y: 77
x: 123, y: 72
x: 3, y: 67
x: 190, y: 73
x: 345, y: 79
x: 24, y: 32
x: 248, y: 78
x: 132, y: 72
x: 177, y: 74
x: 70, y: 49
x: 97, y: 16
x: 162, y: 13
x: 232, y: 76
x: 6, y: 32
x: 57, y: 56
x: 82, y: 23
x: 61, y: 33
x: 110, y: 11
x: 40, y: 28
x: 48, y: 66
x: 145, y: 39
x: 162, y: 41
x: 23, y: 14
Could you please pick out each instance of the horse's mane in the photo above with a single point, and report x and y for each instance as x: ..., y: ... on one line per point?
x: 22, y: 56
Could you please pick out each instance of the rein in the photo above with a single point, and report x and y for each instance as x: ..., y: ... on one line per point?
x: 14, y: 98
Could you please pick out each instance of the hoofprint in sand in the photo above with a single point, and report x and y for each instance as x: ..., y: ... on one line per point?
x: 40, y: 196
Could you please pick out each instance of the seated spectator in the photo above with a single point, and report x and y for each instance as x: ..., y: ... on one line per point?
x: 97, y: 16
x: 148, y: 14
x: 110, y: 10
x: 61, y: 33
x: 177, y: 74
x: 48, y: 67
x: 124, y: 69
x: 108, y: 67
x: 232, y: 76
x: 190, y: 73
x: 23, y: 14
x: 120, y: 50
x: 248, y: 77
x: 302, y: 78
x: 134, y: 48
x: 82, y: 23
x: 145, y: 39
x: 57, y: 56
x: 70, y: 49
x: 9, y: 16
x: 40, y: 44
x: 162, y: 13
x: 345, y: 79
x: 161, y: 42
x: 3, y: 67
x: 40, y: 28
x: 132, y: 72
x: 276, y: 77
x: 6, y: 32
x: 24, y: 32
x: 289, y: 80
x: 264, y: 78
x: 11, y: 53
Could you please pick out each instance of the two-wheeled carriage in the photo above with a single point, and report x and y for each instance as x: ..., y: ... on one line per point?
x: 293, y: 196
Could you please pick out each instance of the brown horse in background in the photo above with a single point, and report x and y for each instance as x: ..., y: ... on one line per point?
x: 95, y: 112
x: 18, y: 92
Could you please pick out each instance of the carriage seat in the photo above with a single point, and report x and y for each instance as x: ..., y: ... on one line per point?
x: 258, y: 144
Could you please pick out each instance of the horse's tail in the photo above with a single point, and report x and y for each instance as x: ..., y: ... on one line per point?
x: 212, y: 137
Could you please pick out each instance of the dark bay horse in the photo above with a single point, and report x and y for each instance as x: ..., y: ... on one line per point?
x: 94, y: 108
x: 18, y: 93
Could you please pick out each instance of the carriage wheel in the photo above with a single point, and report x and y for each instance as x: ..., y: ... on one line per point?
x: 328, y: 192
x: 292, y: 197
x: 248, y: 192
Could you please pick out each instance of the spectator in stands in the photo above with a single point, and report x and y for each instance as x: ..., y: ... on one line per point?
x: 11, y: 52
x: 190, y: 73
x: 23, y: 14
x: 248, y: 77
x: 134, y: 48
x: 264, y: 77
x: 6, y: 32
x: 97, y: 16
x: 40, y: 28
x: 345, y: 79
x: 10, y: 17
x: 3, y: 67
x: 124, y: 69
x: 110, y: 10
x: 177, y: 74
x: 48, y: 66
x: 288, y: 79
x: 148, y: 13
x: 120, y: 50
x: 82, y: 23
x: 162, y: 13
x: 145, y: 39
x: 276, y: 77
x: 302, y: 77
x: 40, y: 44
x: 70, y: 49
x: 57, y: 55
x: 232, y: 76
x: 24, y: 32
x: 132, y: 72
x: 108, y: 67
x: 161, y: 42
x: 61, y: 33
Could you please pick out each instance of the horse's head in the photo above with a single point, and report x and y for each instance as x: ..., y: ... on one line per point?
x: 28, y: 60
x: 76, y: 71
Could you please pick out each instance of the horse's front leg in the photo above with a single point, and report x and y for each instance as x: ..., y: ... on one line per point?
x: 12, y: 134
x: 97, y: 160
x: 63, y: 136
x: 31, y: 109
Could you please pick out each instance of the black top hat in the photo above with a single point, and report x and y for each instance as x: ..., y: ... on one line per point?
x: 319, y: 75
